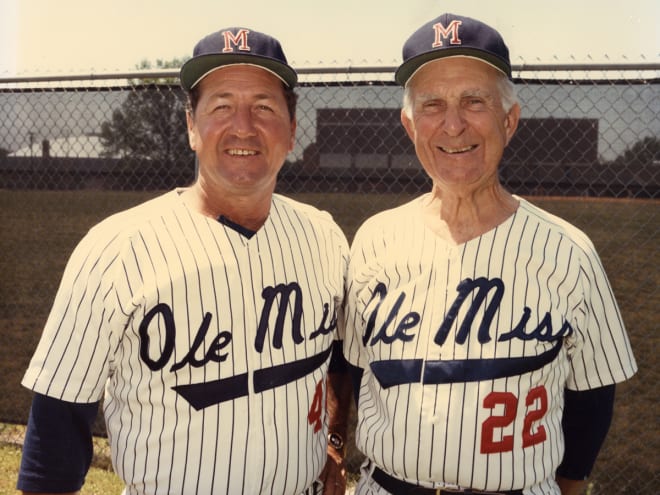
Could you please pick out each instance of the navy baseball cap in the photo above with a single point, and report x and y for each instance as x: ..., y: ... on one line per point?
x: 236, y: 45
x: 453, y: 35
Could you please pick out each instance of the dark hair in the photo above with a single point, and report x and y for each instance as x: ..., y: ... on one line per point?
x: 290, y: 96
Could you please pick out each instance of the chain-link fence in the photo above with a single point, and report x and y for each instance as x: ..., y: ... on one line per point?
x: 75, y: 149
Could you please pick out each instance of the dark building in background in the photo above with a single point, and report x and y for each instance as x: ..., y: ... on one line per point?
x: 552, y: 156
x: 552, y: 141
x: 375, y: 138
x: 544, y: 154
x: 360, y: 138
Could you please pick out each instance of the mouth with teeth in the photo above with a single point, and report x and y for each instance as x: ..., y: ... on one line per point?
x: 241, y: 152
x: 455, y: 151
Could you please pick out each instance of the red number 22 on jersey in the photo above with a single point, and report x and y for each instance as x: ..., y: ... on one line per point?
x: 536, y: 396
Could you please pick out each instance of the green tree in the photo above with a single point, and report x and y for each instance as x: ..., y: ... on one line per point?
x: 148, y: 131
x: 643, y: 152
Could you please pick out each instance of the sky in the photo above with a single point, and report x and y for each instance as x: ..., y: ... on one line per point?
x: 59, y: 37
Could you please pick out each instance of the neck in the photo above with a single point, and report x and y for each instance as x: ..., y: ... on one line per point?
x: 247, y: 210
x: 462, y: 217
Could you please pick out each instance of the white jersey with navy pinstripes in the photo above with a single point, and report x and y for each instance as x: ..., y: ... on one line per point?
x: 466, y: 349
x: 211, y: 347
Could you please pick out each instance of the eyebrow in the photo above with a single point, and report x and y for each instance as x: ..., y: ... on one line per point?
x: 466, y: 92
x: 229, y: 94
x: 477, y: 92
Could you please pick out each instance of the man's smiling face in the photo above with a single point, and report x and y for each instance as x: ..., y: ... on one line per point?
x: 457, y: 122
x: 240, y: 129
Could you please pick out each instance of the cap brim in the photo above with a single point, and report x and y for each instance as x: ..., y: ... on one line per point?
x: 196, y: 68
x: 408, y: 68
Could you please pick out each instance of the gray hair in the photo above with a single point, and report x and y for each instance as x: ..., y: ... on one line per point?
x: 506, y: 88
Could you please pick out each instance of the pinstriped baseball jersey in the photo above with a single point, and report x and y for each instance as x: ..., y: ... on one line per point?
x: 212, y: 348
x: 466, y: 349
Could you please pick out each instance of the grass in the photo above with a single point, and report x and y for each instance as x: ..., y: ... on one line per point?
x: 101, y: 480
x: 40, y: 228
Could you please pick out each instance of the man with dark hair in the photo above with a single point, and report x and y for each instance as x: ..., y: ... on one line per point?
x: 206, y: 317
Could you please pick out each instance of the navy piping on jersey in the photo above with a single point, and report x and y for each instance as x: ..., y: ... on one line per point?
x: 234, y: 226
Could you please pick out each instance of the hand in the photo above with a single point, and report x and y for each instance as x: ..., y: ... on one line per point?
x: 571, y: 487
x: 333, y: 475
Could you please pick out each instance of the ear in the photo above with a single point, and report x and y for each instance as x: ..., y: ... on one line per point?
x: 292, y: 142
x: 192, y: 131
x: 408, y: 125
x: 511, y: 122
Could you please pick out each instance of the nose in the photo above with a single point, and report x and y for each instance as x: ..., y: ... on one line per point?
x: 243, y: 122
x: 454, y: 122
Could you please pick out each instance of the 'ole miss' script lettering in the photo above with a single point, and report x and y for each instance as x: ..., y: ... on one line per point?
x: 400, y: 371
x: 201, y: 395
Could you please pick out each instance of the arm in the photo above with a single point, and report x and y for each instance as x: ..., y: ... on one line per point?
x: 338, y: 405
x: 57, y: 450
x: 586, y: 421
x: 571, y: 487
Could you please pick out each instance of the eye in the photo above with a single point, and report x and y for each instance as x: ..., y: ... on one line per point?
x: 220, y: 107
x: 474, y: 102
x: 431, y: 105
x: 263, y: 107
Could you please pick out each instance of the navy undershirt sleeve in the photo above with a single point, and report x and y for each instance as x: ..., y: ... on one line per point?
x: 57, y: 451
x: 338, y: 363
x: 586, y: 421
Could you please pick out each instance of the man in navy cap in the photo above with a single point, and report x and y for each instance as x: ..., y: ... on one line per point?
x: 484, y: 334
x: 207, y: 317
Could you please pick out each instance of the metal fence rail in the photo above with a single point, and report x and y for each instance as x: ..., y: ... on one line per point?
x: 76, y: 148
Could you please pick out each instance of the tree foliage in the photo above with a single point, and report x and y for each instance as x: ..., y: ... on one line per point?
x: 149, y: 128
x: 643, y: 152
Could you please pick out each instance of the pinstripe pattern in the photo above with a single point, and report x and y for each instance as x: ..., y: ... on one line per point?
x: 549, y: 278
x: 160, y: 297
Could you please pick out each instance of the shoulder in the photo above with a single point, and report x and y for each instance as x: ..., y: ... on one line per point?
x: 142, y: 213
x: 558, y: 226
x: 121, y: 227
x: 391, y: 222
x: 306, y: 215
x: 300, y: 208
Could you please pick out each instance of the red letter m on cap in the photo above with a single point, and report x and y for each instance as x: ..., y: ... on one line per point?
x: 449, y: 33
x: 239, y: 40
